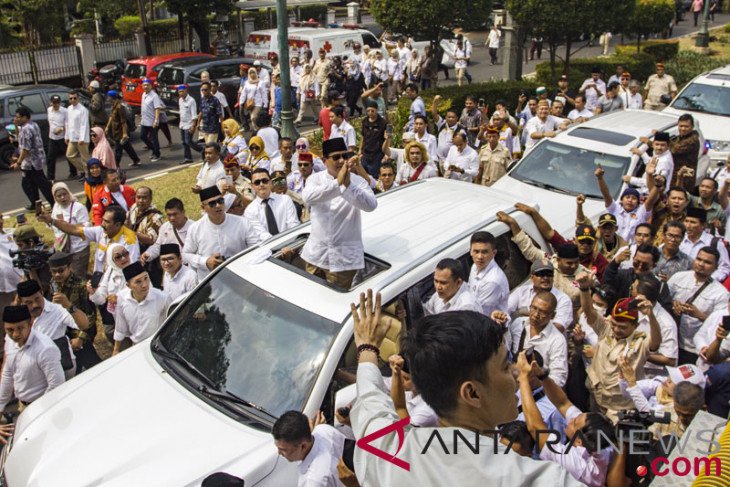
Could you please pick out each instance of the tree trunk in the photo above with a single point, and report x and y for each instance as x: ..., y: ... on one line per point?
x: 566, y: 63
x: 638, y: 43
x: 181, y: 31
x: 201, y: 28
x: 552, y: 49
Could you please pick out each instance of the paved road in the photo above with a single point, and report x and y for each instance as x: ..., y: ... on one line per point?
x: 12, y: 198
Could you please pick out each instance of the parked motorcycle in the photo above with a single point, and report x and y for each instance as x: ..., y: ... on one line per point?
x: 109, y: 76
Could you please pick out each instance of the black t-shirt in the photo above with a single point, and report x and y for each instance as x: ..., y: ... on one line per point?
x: 568, y: 106
x: 373, y: 134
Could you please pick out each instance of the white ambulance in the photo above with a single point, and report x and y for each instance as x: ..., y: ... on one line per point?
x: 263, y: 44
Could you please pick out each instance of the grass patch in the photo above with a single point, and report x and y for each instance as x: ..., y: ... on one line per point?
x: 719, y: 42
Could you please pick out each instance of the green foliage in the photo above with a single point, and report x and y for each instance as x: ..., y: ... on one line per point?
x: 727, y: 28
x: 107, y: 9
x: 641, y: 66
x: 454, y: 96
x: 196, y: 13
x: 429, y: 19
x: 689, y: 64
x: 650, y: 17
x: 10, y: 31
x: 661, y: 50
x: 127, y: 25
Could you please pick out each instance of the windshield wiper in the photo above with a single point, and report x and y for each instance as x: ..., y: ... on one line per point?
x: 180, y: 360
x: 231, y: 397
x: 547, y: 186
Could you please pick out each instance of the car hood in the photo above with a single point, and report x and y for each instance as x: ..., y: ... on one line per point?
x: 127, y: 422
x: 557, y: 208
x: 713, y: 127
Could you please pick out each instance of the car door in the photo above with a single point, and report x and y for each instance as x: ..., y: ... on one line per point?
x: 229, y: 81
x: 33, y: 101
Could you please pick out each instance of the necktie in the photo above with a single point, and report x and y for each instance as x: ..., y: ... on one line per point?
x: 270, y: 220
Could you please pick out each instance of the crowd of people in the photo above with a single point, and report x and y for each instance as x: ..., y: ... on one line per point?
x: 626, y: 313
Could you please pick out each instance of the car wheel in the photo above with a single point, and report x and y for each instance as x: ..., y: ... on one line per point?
x: 6, y: 155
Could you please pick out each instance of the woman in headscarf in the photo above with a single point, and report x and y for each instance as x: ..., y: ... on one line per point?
x: 67, y: 209
x: 252, y: 98
x: 302, y: 146
x: 102, y: 150
x: 94, y: 180
x: 308, y: 93
x: 234, y: 143
x: 354, y: 86
x: 111, y: 284
x: 258, y: 158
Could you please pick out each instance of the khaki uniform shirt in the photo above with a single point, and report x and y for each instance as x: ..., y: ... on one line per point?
x: 603, y: 373
x: 656, y: 87
x: 493, y: 163
x: 320, y: 69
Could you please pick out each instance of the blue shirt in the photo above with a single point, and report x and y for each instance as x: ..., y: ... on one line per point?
x: 277, y: 98
x: 211, y: 111
x: 417, y: 107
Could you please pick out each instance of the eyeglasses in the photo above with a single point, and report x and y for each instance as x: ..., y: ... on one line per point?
x: 671, y: 236
x: 259, y: 182
x: 304, y: 164
x: 341, y: 155
x: 279, y: 182
x: 214, y: 203
x: 254, y: 147
x: 549, y: 274
x: 301, y: 146
x: 121, y: 255
x: 168, y: 259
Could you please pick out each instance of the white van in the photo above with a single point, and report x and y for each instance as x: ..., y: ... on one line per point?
x: 262, y: 44
x: 258, y: 337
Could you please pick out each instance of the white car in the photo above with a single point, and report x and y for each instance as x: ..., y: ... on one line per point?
x: 558, y: 169
x: 707, y: 99
x: 258, y: 337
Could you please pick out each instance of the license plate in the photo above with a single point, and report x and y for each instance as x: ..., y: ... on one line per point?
x: 165, y: 95
x: 131, y: 87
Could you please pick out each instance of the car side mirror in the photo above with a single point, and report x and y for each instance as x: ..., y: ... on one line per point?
x: 665, y: 99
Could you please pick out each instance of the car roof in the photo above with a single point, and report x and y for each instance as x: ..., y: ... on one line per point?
x: 716, y: 77
x: 193, y: 63
x: 430, y: 215
x: 5, y: 89
x: 168, y: 57
x: 313, y: 31
x: 614, y: 131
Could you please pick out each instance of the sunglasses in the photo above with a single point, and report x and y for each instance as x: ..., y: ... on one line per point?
x: 304, y: 164
x: 254, y: 147
x: 259, y: 182
x: 120, y: 255
x: 214, y: 203
x: 279, y: 182
x: 544, y: 274
x: 342, y: 155
x: 301, y: 146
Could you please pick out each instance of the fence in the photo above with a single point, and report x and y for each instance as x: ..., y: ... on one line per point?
x: 108, y: 52
x: 39, y: 65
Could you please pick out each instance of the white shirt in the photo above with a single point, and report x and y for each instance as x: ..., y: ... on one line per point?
x: 344, y: 131
x: 445, y: 138
x: 221, y: 98
x: 77, y: 123
x: 285, y: 213
x: 373, y: 410
x: 319, y: 467
x: 53, y: 321
x: 77, y: 214
x: 205, y: 238
x: 535, y: 125
x: 210, y: 174
x: 419, y: 411
x: 460, y: 58
x: 707, y: 334
x: 586, y: 467
x: 632, y: 101
x: 693, y: 248
x: 406, y: 172
x: 467, y: 159
x: 549, y: 342
x: 714, y: 297
x: 668, y: 327
x: 271, y: 141
x: 591, y: 93
x: 463, y: 300
x: 335, y: 240
x: 430, y: 143
x: 9, y: 276
x: 664, y: 166
x: 188, y: 112
x: 184, y: 281
x: 32, y: 370
x: 150, y: 103
x: 627, y: 222
x: 97, y: 235
x: 520, y: 300
x: 57, y: 120
x: 255, y: 92
x: 490, y: 286
x: 166, y: 235
x: 575, y: 114
x: 138, y: 321
x: 493, y: 38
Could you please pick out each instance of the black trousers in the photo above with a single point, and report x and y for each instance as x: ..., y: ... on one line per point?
x: 34, y: 181
x: 56, y: 148
x: 86, y: 357
x: 127, y: 147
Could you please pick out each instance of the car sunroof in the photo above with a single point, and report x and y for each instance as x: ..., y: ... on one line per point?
x: 599, y: 135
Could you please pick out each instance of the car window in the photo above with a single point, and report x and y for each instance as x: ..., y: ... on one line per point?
x: 697, y: 97
x: 171, y: 76
x: 370, y: 40
x: 134, y: 70
x: 215, y: 71
x: 32, y: 101
x: 229, y: 70
x: 511, y: 261
x: 565, y: 169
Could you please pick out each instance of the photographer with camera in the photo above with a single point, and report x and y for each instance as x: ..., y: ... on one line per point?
x: 581, y: 457
x: 32, y: 255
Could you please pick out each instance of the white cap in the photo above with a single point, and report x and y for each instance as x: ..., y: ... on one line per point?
x: 408, y: 136
x: 687, y: 372
x: 257, y: 63
x: 94, y: 84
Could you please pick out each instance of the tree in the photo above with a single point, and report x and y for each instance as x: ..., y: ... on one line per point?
x: 196, y: 13
x: 428, y: 20
x: 650, y: 17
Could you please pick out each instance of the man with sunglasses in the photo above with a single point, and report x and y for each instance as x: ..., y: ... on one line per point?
x: 275, y: 212
x: 78, y: 133
x: 297, y: 179
x: 335, y: 197
x: 217, y: 235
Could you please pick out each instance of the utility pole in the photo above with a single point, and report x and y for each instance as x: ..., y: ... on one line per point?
x: 145, y: 28
x: 703, y: 36
x: 287, y: 116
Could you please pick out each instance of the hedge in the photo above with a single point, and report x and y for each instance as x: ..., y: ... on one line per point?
x: 129, y: 24
x: 689, y: 64
x: 456, y: 95
x: 660, y: 50
x: 641, y: 66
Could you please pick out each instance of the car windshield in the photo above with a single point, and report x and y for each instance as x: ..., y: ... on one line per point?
x: 135, y: 70
x: 570, y: 170
x: 171, y: 76
x: 698, y: 97
x: 249, y: 342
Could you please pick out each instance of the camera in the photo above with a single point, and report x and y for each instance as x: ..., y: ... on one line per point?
x: 31, y: 259
x: 632, y: 420
x: 636, y: 423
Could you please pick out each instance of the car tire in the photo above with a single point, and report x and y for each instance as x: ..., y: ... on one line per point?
x: 6, y: 154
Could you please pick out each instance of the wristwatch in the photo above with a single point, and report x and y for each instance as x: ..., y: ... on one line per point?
x: 545, y: 373
x: 72, y: 309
